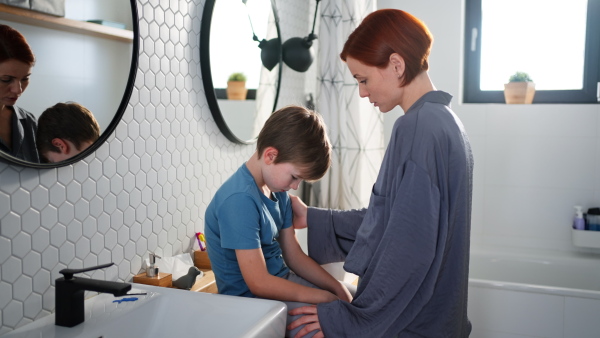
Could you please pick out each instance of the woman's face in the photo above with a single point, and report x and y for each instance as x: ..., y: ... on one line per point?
x: 381, y: 86
x: 14, y: 78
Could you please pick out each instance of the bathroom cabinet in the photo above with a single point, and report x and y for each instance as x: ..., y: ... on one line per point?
x: 24, y: 16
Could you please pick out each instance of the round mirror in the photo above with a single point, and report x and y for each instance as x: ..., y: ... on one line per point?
x: 91, y: 63
x: 240, y: 46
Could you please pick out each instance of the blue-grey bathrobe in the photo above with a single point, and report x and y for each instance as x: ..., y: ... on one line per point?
x: 411, y: 245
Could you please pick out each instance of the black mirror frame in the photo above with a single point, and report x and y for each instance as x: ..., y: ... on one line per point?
x: 209, y: 89
x: 114, y: 122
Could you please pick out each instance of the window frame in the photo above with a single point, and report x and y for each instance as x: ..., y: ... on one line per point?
x: 472, y: 63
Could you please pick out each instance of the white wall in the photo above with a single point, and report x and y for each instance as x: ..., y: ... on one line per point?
x: 532, y: 162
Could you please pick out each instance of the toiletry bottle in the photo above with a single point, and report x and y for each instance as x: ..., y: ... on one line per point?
x: 152, y: 270
x: 593, y: 219
x: 578, y: 222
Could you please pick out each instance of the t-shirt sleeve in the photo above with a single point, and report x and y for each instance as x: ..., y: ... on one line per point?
x: 286, y: 209
x: 239, y: 222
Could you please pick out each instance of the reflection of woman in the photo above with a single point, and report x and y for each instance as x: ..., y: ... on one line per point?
x: 411, y: 245
x: 17, y: 126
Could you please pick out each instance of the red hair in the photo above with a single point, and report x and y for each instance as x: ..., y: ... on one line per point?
x: 14, y: 46
x: 389, y: 31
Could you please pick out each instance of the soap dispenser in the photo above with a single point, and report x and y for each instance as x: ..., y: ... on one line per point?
x: 578, y: 221
x: 152, y: 270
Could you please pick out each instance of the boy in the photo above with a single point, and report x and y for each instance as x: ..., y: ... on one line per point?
x: 64, y: 130
x: 250, y: 241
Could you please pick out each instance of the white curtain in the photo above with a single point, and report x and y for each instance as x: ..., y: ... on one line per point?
x: 355, y: 126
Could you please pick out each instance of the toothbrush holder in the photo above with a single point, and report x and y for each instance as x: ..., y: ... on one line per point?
x: 201, y: 260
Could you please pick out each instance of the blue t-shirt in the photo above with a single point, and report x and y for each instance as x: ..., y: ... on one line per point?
x: 240, y: 216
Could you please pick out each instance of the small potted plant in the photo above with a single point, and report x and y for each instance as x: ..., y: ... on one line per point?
x: 519, y: 89
x: 236, y: 87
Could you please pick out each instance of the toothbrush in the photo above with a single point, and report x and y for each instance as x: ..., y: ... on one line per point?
x: 198, y: 234
x: 202, y: 240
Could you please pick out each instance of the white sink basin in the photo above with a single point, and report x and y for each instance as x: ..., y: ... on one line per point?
x: 165, y: 312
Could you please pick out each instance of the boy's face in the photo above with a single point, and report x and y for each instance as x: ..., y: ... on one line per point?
x: 282, y: 176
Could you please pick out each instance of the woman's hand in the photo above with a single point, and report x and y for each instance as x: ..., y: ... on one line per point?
x: 300, y: 211
x: 310, y: 318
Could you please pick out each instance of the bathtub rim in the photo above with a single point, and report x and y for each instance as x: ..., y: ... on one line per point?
x: 532, y: 288
x: 590, y: 260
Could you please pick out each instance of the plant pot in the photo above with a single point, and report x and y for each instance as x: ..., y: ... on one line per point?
x: 519, y: 92
x: 236, y: 90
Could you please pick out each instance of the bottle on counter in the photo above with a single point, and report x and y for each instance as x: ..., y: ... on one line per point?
x: 578, y: 221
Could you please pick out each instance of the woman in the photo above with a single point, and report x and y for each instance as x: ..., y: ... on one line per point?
x: 411, y: 246
x: 17, y: 126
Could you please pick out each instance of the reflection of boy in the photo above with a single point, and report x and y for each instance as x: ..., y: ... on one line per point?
x: 64, y: 130
x: 248, y: 222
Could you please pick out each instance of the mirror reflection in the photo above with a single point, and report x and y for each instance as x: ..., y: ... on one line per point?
x: 65, y: 130
x: 17, y: 125
x: 89, y: 69
x: 234, y: 58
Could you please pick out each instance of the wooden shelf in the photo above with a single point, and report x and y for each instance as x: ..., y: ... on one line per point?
x: 21, y: 15
x: 207, y: 283
x: 163, y: 279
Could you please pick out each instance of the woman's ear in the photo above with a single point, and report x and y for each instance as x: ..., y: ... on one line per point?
x: 270, y: 154
x: 398, y: 63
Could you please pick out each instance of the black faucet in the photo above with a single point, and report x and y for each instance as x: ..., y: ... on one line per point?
x: 70, y: 291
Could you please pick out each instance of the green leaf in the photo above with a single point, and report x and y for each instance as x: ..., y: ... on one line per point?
x: 520, y: 77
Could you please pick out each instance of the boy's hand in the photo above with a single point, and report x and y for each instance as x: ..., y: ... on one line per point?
x: 343, y: 293
x: 300, y: 210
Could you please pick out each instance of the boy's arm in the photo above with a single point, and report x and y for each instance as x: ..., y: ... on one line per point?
x: 264, y: 285
x: 307, y: 268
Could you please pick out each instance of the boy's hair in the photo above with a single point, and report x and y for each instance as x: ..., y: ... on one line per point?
x: 300, y: 137
x: 68, y: 121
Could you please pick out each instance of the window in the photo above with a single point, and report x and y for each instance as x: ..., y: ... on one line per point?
x: 555, y: 42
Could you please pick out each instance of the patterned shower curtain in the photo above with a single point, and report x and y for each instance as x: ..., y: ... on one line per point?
x: 355, y: 126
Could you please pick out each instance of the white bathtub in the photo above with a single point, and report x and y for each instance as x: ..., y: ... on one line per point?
x: 534, y: 294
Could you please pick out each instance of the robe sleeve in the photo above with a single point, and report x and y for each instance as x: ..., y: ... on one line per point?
x: 401, y: 276
x: 331, y: 233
